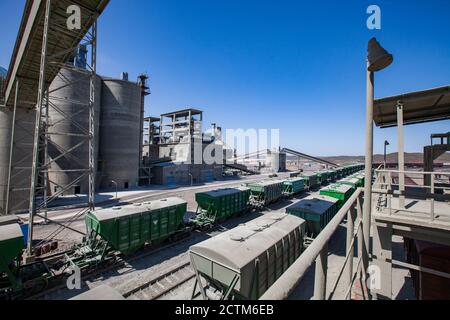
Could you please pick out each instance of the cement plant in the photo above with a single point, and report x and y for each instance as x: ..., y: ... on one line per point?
x: 90, y: 185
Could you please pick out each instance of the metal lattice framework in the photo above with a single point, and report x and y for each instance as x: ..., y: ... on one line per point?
x: 40, y: 169
x: 43, y: 47
x: 87, y: 133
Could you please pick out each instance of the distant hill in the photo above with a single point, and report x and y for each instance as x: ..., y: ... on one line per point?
x: 391, y: 157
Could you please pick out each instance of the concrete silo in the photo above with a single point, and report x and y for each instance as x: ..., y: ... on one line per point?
x: 120, y: 131
x: 5, y: 143
x: 68, y: 146
x: 277, y: 161
x: 21, y: 158
x: 5, y: 137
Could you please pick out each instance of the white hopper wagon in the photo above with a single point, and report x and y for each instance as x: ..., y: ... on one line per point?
x: 244, y: 262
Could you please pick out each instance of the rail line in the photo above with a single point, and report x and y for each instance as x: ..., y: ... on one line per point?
x: 111, y: 266
x: 151, y: 289
x: 161, y: 285
x: 148, y: 195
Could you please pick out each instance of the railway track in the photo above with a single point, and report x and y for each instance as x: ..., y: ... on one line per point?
x: 161, y: 285
x: 140, y: 197
x: 169, y: 279
x: 119, y: 262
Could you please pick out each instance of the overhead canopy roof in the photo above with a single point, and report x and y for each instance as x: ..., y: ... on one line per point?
x: 26, y: 58
x: 418, y: 107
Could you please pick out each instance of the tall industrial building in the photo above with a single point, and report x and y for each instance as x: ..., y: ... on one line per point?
x: 129, y: 150
x: 117, y: 124
x: 181, y: 140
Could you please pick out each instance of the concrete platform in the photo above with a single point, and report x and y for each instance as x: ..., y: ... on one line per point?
x: 416, y: 213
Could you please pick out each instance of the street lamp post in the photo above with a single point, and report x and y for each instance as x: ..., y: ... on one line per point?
x: 377, y: 59
x: 115, y: 183
x: 386, y: 143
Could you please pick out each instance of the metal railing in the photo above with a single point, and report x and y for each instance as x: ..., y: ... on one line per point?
x: 388, y: 187
x: 317, y: 252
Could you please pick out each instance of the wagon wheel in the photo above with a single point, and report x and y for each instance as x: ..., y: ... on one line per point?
x: 207, y: 227
x: 36, y: 285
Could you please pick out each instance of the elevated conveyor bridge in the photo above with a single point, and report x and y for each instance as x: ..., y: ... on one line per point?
x: 308, y: 157
x: 36, y: 51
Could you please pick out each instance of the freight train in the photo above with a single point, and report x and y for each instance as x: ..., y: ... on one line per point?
x: 214, y: 206
x: 264, y: 248
x: 123, y: 230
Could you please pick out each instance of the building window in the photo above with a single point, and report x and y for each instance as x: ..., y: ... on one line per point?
x: 77, y: 190
x: 125, y: 185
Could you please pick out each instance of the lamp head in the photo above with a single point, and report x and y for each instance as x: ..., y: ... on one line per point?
x: 377, y: 56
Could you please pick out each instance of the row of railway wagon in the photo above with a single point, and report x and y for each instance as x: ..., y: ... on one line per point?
x: 262, y: 248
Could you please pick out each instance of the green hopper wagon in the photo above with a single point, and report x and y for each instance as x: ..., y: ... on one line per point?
x: 331, y: 175
x: 311, y: 181
x: 221, y: 204
x: 339, y: 172
x: 316, y: 210
x: 323, y: 177
x: 354, y: 182
x: 293, y: 185
x: 266, y: 192
x: 342, y: 192
x: 128, y: 228
x: 11, y: 245
x: 359, y: 176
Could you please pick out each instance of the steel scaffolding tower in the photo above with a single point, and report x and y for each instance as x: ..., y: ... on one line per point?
x: 39, y: 197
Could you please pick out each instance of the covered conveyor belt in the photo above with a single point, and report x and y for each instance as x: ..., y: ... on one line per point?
x: 240, y: 167
x: 264, y: 152
x: 311, y: 158
x: 256, y: 154
x: 26, y: 58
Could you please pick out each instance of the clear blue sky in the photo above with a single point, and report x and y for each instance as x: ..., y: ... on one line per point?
x: 293, y: 65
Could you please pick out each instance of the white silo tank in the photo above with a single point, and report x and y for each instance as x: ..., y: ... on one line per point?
x: 277, y: 161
